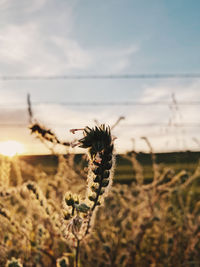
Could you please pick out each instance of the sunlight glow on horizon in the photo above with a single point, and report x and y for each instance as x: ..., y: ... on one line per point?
x: 11, y: 148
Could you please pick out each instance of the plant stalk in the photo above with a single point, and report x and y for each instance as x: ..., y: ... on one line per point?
x: 77, y: 253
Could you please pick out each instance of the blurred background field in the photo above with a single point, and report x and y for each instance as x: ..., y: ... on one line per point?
x: 124, y: 172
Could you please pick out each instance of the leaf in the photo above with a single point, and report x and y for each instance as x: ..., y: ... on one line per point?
x: 82, y: 207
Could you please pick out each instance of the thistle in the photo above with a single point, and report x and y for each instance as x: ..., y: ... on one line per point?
x: 99, y: 143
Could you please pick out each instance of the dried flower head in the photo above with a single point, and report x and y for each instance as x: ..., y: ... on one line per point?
x: 96, y: 139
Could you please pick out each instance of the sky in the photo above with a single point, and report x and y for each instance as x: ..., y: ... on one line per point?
x: 108, y: 37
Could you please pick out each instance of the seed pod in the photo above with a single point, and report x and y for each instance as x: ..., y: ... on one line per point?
x: 108, y: 157
x: 67, y: 216
x: 69, y: 200
x: 82, y: 207
x: 105, y: 183
x: 108, y: 165
x: 97, y: 179
x: 92, y: 198
x: 97, y: 170
x: 106, y: 174
x: 95, y: 188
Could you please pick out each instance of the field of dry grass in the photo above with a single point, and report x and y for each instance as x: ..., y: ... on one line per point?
x: 151, y: 221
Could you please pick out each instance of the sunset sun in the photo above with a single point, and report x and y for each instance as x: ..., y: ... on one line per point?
x: 11, y: 148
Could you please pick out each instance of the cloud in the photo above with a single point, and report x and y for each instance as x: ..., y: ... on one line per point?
x: 61, y: 118
x: 169, y: 137
x: 45, y: 44
x: 15, y: 43
x: 25, y: 50
x: 113, y: 59
x: 22, y: 5
x: 72, y: 53
x: 187, y: 92
x: 37, y: 44
x: 165, y: 137
x: 161, y: 91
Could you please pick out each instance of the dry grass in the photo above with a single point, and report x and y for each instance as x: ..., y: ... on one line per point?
x: 139, y: 225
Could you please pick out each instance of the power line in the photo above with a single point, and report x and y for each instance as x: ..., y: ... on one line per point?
x: 125, y: 103
x: 122, y: 103
x: 101, y: 76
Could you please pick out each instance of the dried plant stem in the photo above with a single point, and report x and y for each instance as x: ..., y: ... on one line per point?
x: 153, y: 157
x: 77, y: 253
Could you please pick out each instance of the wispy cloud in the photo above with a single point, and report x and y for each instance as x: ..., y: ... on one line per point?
x: 113, y: 59
x: 42, y: 45
x: 22, y: 5
x: 25, y: 50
